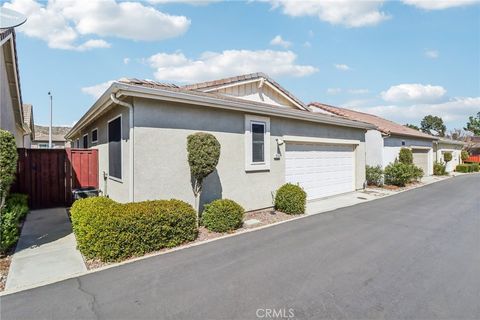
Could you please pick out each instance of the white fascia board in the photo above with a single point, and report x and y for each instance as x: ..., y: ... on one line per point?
x: 320, y: 140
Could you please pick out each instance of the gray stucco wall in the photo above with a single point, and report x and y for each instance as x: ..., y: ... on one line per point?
x: 7, y: 118
x: 118, y: 190
x: 162, y: 172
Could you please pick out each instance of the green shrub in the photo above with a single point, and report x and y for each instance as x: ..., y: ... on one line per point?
x: 417, y: 172
x: 475, y: 167
x: 398, y: 174
x: 374, y: 175
x: 290, y: 199
x: 111, y: 231
x: 447, y: 156
x: 8, y: 164
x: 464, y: 155
x: 16, y: 208
x: 405, y: 156
x: 223, y: 215
x: 439, y: 169
x: 463, y: 168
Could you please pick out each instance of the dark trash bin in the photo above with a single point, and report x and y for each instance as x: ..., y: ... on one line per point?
x: 85, y: 192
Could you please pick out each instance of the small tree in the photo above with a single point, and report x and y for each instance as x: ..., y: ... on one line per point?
x: 203, y: 154
x: 447, y: 156
x: 464, y: 155
x: 8, y: 164
x: 405, y: 156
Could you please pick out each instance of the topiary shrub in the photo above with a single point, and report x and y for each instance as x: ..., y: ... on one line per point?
x: 447, y: 156
x: 464, y: 155
x: 398, y: 174
x: 374, y: 175
x: 223, y: 215
x: 8, y: 164
x: 16, y: 208
x: 291, y: 199
x: 111, y: 231
x: 439, y: 169
x: 405, y: 156
x: 203, y: 155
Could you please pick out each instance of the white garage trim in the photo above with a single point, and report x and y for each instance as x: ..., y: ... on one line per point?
x: 322, y: 170
x: 320, y: 140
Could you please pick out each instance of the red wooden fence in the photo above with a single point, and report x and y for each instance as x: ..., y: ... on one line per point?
x: 473, y: 159
x: 49, y: 175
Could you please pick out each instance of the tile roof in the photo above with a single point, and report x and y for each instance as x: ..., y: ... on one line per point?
x: 384, y: 125
x: 201, y: 86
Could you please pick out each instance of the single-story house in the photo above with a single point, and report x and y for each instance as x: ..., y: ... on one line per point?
x: 11, y: 109
x: 268, y: 137
x: 383, y: 144
x: 29, y: 124
x: 444, y: 145
x: 41, y: 139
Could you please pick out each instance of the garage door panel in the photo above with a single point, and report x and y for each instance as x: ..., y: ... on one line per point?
x: 322, y: 170
x: 420, y: 159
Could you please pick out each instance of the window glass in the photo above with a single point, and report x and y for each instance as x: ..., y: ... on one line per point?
x: 85, y: 141
x: 115, y: 148
x: 258, y: 142
x: 94, y: 135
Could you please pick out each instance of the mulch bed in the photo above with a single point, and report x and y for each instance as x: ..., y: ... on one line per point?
x: 265, y: 216
x: 4, y: 267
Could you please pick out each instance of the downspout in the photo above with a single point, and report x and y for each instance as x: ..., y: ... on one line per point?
x: 115, y: 100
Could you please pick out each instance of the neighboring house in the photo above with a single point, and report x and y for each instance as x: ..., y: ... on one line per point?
x: 383, y: 144
x: 473, y: 145
x: 58, y: 137
x: 11, y: 111
x: 444, y: 145
x: 267, y: 136
x: 29, y: 124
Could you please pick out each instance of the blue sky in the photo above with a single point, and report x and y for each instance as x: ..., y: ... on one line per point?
x: 399, y: 60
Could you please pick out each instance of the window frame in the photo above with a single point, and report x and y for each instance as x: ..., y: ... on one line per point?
x: 83, y: 141
x: 121, y: 149
x: 78, y: 143
x: 249, y: 164
x: 96, y: 140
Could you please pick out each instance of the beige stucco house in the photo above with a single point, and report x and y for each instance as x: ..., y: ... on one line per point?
x: 267, y: 136
x: 444, y: 145
x: 384, y: 142
x: 11, y: 110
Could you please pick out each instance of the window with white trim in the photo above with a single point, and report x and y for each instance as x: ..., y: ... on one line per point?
x: 257, y: 143
x: 85, y: 141
x: 115, y: 148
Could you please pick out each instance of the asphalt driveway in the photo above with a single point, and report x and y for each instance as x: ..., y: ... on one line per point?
x: 415, y: 255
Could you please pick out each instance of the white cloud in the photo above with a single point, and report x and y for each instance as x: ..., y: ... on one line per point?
x: 191, y: 2
x: 358, y: 91
x: 414, y: 93
x: 451, y: 111
x: 340, y: 12
x: 342, y: 67
x: 126, y: 60
x: 97, y: 90
x: 278, y: 41
x: 432, y: 54
x: 62, y: 23
x: 333, y: 91
x: 211, y: 65
x: 307, y: 44
x: 439, y: 4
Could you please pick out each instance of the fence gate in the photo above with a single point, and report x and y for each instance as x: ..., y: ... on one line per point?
x: 49, y: 175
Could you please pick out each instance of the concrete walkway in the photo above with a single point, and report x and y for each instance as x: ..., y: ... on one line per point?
x: 46, y: 251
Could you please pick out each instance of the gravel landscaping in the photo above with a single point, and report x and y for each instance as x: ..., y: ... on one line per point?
x: 4, y: 267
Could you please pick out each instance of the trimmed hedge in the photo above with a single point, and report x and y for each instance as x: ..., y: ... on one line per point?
x: 439, y: 169
x: 223, y: 215
x: 291, y: 199
x: 374, y: 175
x: 112, y: 231
x: 468, y: 167
x: 447, y: 156
x: 405, y: 156
x: 16, y: 208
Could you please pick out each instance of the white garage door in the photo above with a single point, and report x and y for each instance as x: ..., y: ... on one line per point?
x: 322, y: 170
x: 420, y: 159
